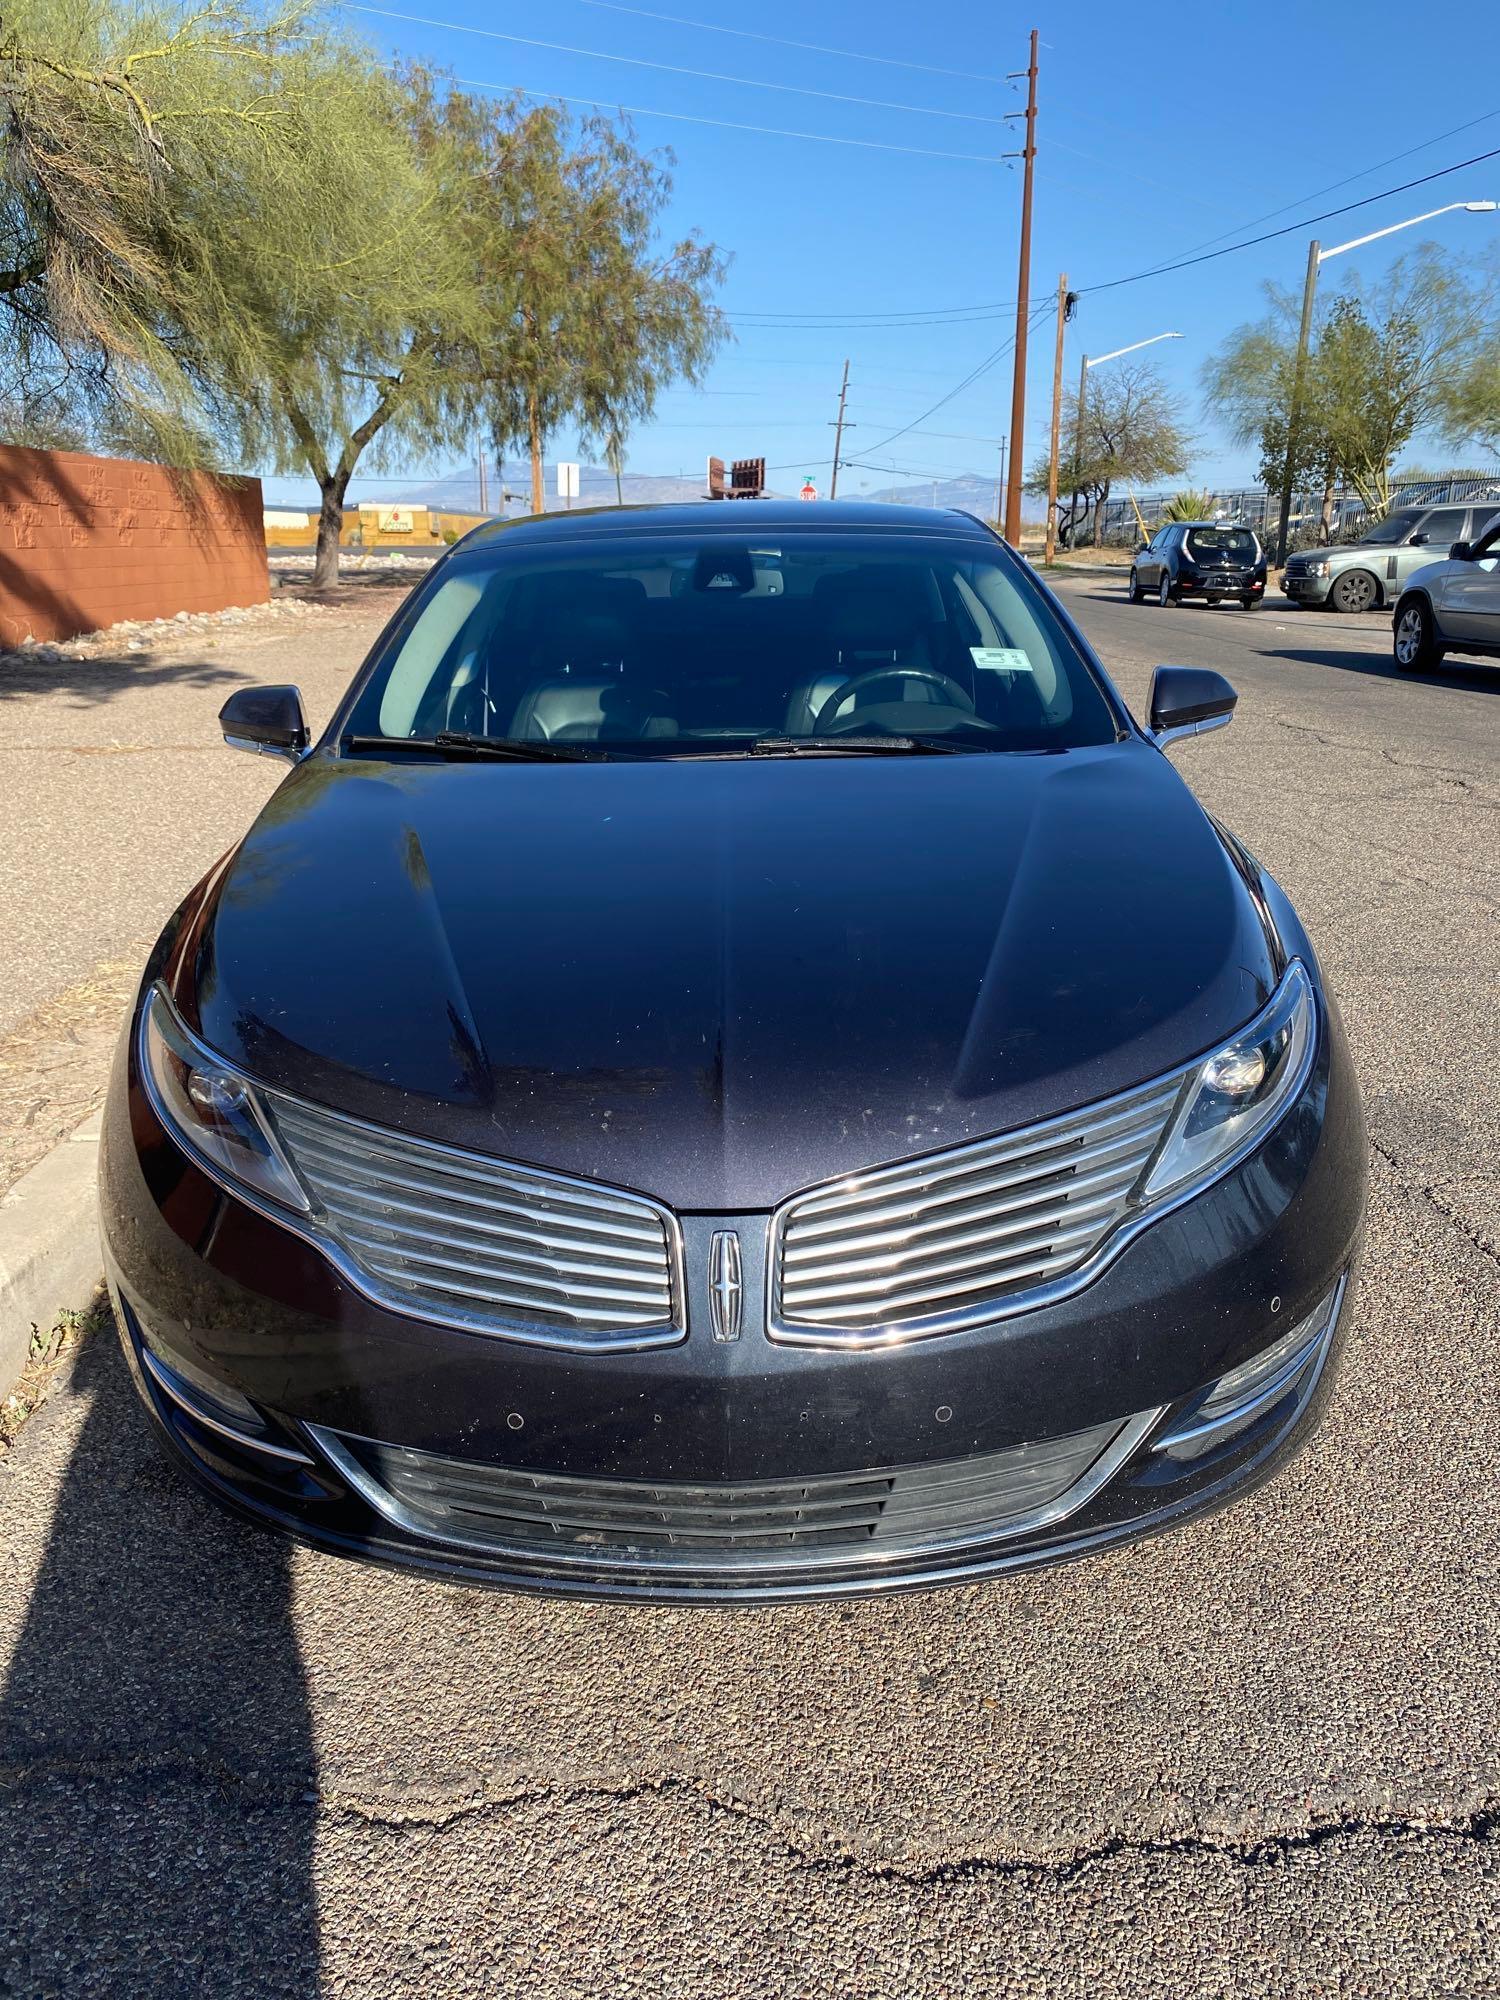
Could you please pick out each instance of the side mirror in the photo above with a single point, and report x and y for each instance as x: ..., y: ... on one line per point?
x: 1461, y: 552
x: 1188, y: 701
x: 1418, y: 541
x: 1142, y: 548
x: 268, y: 720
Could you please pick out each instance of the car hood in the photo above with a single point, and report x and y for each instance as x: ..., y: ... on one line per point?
x: 718, y: 982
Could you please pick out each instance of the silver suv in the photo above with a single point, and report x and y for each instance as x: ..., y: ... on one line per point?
x: 1357, y: 576
x: 1452, y: 606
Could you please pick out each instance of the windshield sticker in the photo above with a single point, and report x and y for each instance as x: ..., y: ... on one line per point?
x: 1001, y: 659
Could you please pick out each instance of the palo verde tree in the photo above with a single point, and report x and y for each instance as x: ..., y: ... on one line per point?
x: 367, y: 304
x: 1133, y: 430
x: 1382, y: 368
x: 124, y: 131
x: 591, y: 315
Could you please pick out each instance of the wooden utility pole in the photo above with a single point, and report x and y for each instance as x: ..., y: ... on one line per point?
x: 838, y: 435
x: 1294, y: 414
x: 1023, y: 310
x: 1062, y: 315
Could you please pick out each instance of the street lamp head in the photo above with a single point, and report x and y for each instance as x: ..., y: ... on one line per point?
x: 1481, y: 207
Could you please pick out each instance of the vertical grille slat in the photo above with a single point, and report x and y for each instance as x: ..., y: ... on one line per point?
x: 486, y: 1244
x: 956, y: 1230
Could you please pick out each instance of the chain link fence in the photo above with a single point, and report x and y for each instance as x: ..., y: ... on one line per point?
x: 1255, y: 507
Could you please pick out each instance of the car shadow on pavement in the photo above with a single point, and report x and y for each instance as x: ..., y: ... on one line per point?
x: 1477, y: 676
x: 91, y: 680
x: 157, y: 1803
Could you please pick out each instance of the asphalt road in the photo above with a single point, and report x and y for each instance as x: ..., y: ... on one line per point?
x: 1257, y: 1757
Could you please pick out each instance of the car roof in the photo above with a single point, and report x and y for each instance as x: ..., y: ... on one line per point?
x: 737, y: 517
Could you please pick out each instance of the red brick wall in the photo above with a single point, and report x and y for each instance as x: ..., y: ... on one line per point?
x: 86, y: 542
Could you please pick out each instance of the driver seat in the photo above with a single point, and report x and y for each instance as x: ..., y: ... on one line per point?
x: 871, y: 618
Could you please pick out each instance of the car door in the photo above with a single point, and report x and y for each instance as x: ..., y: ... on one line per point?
x: 1468, y: 596
x: 1147, y: 563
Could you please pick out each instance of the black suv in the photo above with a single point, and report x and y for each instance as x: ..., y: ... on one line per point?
x: 1199, y: 559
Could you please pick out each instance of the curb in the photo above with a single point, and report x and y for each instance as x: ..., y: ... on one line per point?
x: 49, y: 1244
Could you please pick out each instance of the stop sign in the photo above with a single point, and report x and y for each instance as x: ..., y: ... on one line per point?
x: 809, y: 491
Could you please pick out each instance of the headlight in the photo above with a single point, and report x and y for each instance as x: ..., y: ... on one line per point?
x: 211, y: 1111
x: 1238, y: 1092
x: 1319, y: 568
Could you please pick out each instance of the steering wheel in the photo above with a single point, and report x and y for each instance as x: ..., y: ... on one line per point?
x: 872, y: 677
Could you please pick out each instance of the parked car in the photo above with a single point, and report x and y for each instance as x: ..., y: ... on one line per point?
x: 733, y: 1067
x: 1202, y: 559
x: 1358, y: 576
x: 1452, y: 606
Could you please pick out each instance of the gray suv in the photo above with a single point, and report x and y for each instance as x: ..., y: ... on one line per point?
x: 1357, y: 576
x: 1452, y: 606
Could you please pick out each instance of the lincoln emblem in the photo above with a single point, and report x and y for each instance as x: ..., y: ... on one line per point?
x: 726, y: 1288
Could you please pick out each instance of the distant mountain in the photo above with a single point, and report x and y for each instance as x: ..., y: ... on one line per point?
x: 458, y: 492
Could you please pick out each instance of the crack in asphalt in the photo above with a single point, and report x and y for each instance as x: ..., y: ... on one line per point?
x: 1478, y: 1826
x: 1424, y: 1191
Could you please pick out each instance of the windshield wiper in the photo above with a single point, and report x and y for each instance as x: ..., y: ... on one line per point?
x: 460, y: 743
x: 849, y: 746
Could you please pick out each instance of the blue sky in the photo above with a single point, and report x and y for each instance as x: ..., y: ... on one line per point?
x: 1156, y: 132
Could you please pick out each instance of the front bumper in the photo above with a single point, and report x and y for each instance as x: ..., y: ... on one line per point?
x: 1307, y: 589
x: 296, y: 1400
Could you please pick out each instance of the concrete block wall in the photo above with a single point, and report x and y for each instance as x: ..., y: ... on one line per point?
x: 86, y: 542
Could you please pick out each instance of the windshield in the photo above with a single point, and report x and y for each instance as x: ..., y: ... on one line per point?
x: 1394, y: 528
x: 718, y: 644
x: 1223, y: 545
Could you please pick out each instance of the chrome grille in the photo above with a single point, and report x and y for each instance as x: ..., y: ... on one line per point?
x: 939, y: 1238
x: 720, y: 1528
x: 485, y: 1244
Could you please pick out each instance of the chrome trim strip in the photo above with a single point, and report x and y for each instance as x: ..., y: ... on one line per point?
x: 389, y: 1297
x: 165, y: 1381
x: 539, y: 1555
x: 1164, y: 738
x: 795, y: 1333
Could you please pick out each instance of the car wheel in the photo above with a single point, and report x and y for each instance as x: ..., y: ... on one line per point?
x: 1164, y: 591
x: 1137, y: 595
x: 1212, y: 600
x: 1415, y: 646
x: 1249, y: 602
x: 1356, y: 590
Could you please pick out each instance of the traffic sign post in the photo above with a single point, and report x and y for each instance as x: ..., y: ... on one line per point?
x: 567, y: 482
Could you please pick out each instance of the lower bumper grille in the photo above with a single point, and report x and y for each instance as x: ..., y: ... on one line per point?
x: 624, y: 1523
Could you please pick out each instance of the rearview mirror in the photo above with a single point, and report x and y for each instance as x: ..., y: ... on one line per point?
x: 268, y: 720
x: 1188, y: 701
x: 1461, y: 552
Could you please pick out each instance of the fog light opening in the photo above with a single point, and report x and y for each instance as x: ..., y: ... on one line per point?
x: 1236, y: 1399
x: 217, y: 1406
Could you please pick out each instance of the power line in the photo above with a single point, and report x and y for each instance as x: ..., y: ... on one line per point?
x: 812, y: 48
x: 728, y: 125
x: 671, y: 69
x: 968, y: 381
x: 1348, y: 180
x: 1291, y: 228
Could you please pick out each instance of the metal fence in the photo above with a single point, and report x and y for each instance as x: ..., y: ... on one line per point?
x: 1255, y: 507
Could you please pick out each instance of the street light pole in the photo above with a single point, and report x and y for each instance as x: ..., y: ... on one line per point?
x: 1315, y: 257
